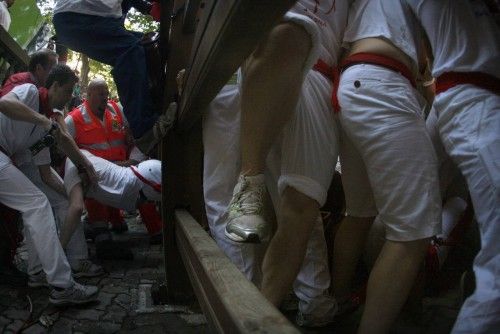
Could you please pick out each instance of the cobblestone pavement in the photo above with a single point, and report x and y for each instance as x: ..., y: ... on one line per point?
x: 124, y: 305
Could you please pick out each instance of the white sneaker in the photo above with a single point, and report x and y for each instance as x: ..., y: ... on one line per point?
x: 85, y: 268
x: 75, y: 294
x: 246, y: 222
x: 38, y: 280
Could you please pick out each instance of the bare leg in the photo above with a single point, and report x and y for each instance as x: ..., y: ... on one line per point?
x: 284, y: 257
x: 270, y: 91
x: 348, y: 247
x: 390, y: 282
x: 73, y: 216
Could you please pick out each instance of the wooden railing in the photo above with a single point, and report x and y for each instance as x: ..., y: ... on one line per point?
x: 211, y: 41
x: 12, y: 57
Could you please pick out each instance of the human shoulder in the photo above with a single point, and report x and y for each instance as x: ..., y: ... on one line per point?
x: 26, y: 92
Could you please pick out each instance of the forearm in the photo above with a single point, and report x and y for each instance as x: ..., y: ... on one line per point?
x: 50, y: 179
x: 16, y: 110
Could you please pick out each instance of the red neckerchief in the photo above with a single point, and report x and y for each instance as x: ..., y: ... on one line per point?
x: 155, y: 186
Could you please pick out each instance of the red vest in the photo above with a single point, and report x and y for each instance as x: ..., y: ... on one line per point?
x: 16, y: 80
x: 21, y: 78
x: 107, y: 140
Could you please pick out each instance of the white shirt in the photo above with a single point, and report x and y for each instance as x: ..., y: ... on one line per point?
x: 16, y: 137
x: 330, y: 17
x: 390, y: 19
x: 462, y: 33
x: 106, y: 8
x: 4, y: 16
x: 116, y: 186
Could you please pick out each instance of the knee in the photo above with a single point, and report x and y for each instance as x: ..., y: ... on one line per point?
x: 299, y: 208
x: 288, y: 40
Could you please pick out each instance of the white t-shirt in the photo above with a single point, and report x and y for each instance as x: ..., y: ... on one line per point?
x: 462, y: 33
x: 390, y: 19
x: 16, y: 137
x: 106, y: 8
x: 4, y: 16
x: 116, y: 186
x: 331, y: 19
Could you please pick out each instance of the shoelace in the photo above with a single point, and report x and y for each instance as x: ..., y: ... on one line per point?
x: 85, y: 265
x: 248, y: 200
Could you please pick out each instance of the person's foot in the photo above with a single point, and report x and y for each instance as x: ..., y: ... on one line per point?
x: 314, y: 320
x: 153, y: 136
x: 75, y: 294
x: 107, y: 249
x: 246, y: 222
x: 38, y: 280
x: 10, y: 275
x: 119, y: 228
x: 85, y: 268
x: 92, y: 232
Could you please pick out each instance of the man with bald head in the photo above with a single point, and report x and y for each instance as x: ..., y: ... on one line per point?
x: 100, y: 127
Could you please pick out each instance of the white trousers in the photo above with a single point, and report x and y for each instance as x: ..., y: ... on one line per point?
x: 304, y: 158
x: 469, y: 127
x: 389, y: 167
x: 77, y: 246
x: 19, y: 193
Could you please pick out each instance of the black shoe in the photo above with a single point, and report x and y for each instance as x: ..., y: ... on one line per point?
x: 123, y: 227
x: 10, y: 275
x: 92, y: 232
x: 107, y: 249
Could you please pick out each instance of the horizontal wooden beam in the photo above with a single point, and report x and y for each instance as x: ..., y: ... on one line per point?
x: 230, y: 302
x: 226, y: 34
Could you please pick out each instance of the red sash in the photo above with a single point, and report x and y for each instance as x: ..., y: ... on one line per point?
x: 482, y: 80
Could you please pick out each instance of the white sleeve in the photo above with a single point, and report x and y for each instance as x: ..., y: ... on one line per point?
x: 28, y: 95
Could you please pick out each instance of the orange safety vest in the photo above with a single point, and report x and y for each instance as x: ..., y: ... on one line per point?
x: 107, y: 140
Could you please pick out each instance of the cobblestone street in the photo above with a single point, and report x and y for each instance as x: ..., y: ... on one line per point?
x: 125, y: 303
x: 126, y: 306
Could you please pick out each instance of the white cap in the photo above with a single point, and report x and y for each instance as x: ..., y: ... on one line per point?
x: 149, y: 172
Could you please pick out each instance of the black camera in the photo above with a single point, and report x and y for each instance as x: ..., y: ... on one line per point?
x: 47, y: 141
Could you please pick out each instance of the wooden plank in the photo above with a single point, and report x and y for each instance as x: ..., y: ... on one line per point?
x: 230, y: 302
x: 12, y: 52
x: 190, y: 16
x: 233, y: 29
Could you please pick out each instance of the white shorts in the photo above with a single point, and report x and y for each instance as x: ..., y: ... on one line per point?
x: 389, y: 167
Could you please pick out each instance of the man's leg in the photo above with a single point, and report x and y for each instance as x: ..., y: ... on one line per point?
x: 122, y: 50
x: 348, y: 248
x: 296, y: 219
x: 469, y: 132
x: 19, y: 193
x: 350, y: 238
x: 269, y: 96
x: 389, y: 133
x: 221, y: 130
x: 302, y: 164
x: 390, y: 282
